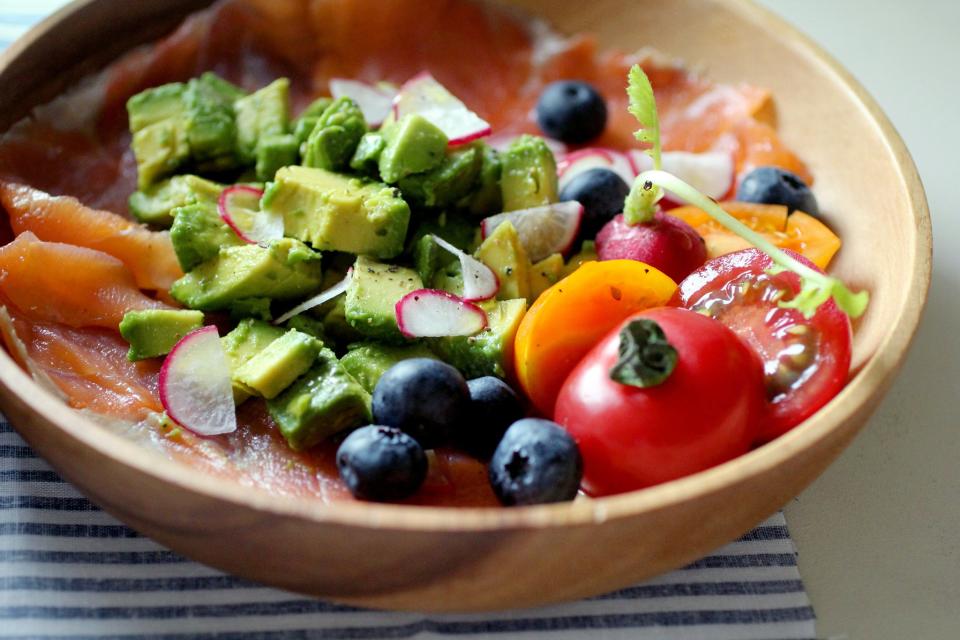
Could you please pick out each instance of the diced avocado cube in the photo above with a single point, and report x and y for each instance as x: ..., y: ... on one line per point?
x: 247, y: 339
x: 428, y: 256
x: 284, y: 270
x: 529, y: 174
x: 372, y: 294
x: 324, y: 401
x: 367, y: 361
x: 308, y: 325
x: 485, y: 199
x: 281, y: 362
x: 490, y: 352
x: 336, y: 328
x: 156, y: 105
x: 154, y: 332
x: 587, y: 253
x: 414, y: 145
x: 198, y: 233
x: 545, y: 274
x: 274, y: 153
x: 307, y: 120
x: 334, y: 212
x: 335, y: 137
x: 265, y: 112
x: 160, y: 149
x: 448, y: 182
x: 366, y: 158
x: 210, y: 122
x: 503, y: 252
x: 449, y: 278
x: 257, y: 308
x: 155, y: 204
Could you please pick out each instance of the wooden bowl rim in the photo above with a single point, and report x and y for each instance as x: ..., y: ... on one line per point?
x: 871, y: 381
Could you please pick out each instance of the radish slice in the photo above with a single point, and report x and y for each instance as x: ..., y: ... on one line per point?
x: 375, y: 102
x: 575, y: 163
x: 479, y: 280
x: 500, y: 142
x: 543, y: 230
x: 432, y: 313
x: 423, y: 95
x: 239, y: 207
x: 195, y: 384
x: 318, y: 299
x: 710, y: 173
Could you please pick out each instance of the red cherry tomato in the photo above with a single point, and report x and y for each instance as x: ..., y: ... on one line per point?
x: 707, y: 411
x: 806, y: 362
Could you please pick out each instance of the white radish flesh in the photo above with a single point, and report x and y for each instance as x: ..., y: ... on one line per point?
x: 318, y: 299
x: 431, y: 313
x: 239, y: 207
x: 374, y: 102
x: 423, y: 95
x: 479, y: 280
x: 542, y: 230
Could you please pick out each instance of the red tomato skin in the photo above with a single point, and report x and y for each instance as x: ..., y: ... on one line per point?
x: 833, y: 326
x: 707, y: 412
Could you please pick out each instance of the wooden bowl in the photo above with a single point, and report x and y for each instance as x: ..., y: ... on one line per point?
x: 433, y: 559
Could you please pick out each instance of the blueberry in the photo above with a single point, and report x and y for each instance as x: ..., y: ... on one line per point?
x: 381, y: 464
x: 536, y: 462
x: 601, y: 192
x: 494, y: 406
x: 773, y: 185
x: 425, y: 398
x: 571, y: 111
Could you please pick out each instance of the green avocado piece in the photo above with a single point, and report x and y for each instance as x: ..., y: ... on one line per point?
x: 307, y: 120
x: 372, y: 294
x: 414, y: 145
x: 336, y: 329
x: 334, y: 212
x: 490, y: 352
x: 155, y: 204
x: 258, y: 308
x: 264, y: 112
x: 198, y: 233
x: 448, y: 182
x: 160, y: 149
x: 324, y: 401
x: 366, y: 158
x: 335, y: 137
x: 545, y: 274
x: 210, y: 122
x: 306, y: 324
x: 286, y: 269
x: 243, y: 343
x: 275, y: 152
x: 428, y: 256
x: 281, y: 362
x: 367, y: 361
x: 156, y: 105
x: 154, y: 332
x: 529, y: 174
x: 503, y: 252
x: 485, y: 199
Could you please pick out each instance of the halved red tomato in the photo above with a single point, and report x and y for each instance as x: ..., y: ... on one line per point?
x: 806, y: 361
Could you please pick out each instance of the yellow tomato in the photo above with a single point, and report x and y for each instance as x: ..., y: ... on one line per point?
x: 570, y: 317
x: 798, y: 232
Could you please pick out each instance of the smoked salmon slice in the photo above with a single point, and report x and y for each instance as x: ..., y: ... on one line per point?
x: 148, y: 254
x: 62, y: 283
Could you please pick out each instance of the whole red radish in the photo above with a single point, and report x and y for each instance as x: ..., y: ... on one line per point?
x: 667, y: 243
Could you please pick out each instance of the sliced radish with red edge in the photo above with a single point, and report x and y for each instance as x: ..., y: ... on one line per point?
x: 573, y: 164
x: 374, y: 101
x: 317, y: 300
x: 239, y: 207
x: 423, y: 95
x: 542, y: 230
x: 195, y: 386
x: 479, y: 280
x: 711, y: 173
x: 432, y: 313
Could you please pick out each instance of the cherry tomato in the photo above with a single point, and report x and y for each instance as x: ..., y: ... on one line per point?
x: 806, y: 362
x: 572, y: 315
x: 797, y: 232
x: 705, y: 412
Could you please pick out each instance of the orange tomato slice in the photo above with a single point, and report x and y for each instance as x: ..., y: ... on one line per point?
x: 798, y: 232
x: 570, y: 317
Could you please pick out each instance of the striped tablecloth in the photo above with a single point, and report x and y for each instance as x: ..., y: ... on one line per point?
x: 68, y: 570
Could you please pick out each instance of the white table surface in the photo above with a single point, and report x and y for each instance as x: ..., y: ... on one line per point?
x: 879, y: 532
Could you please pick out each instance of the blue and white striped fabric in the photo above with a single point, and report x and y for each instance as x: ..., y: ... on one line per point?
x: 68, y: 570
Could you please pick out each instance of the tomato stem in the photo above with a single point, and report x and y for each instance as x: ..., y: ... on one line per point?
x: 816, y: 287
x: 646, y: 357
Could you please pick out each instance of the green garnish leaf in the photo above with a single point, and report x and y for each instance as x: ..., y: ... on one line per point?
x: 646, y: 358
x: 643, y: 107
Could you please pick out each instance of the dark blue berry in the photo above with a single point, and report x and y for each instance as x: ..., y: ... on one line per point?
x: 423, y: 397
x: 773, y: 185
x: 601, y: 192
x: 494, y: 406
x: 571, y: 111
x: 381, y: 464
x: 536, y: 462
